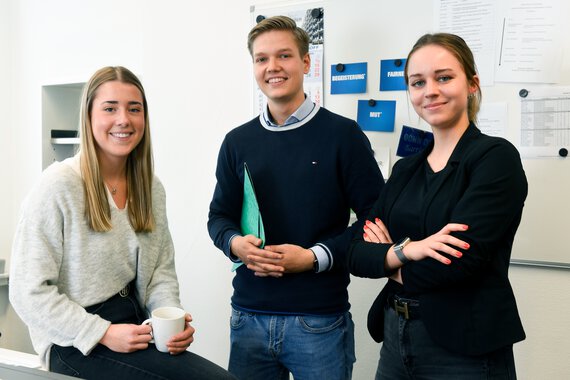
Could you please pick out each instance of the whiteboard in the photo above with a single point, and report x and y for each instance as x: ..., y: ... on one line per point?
x: 369, y: 31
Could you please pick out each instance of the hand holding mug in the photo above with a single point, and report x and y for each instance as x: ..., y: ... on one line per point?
x: 170, y: 330
x: 180, y: 342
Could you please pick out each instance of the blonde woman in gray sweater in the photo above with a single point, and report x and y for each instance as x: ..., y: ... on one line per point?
x: 93, y: 254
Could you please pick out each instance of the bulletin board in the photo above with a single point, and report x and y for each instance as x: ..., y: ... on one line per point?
x: 371, y: 31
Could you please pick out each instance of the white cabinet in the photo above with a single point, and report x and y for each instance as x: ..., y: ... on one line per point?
x: 60, y: 121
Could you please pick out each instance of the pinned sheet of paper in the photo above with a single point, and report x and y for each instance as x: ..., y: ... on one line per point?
x: 412, y: 141
x: 376, y: 115
x: 392, y: 75
x: 348, y: 78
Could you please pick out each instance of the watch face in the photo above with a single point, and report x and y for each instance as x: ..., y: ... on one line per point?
x: 402, y: 242
x: 399, y: 249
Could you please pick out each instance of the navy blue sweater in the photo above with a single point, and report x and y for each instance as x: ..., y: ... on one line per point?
x: 307, y: 179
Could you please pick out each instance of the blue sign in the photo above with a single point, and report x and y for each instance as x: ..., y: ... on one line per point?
x: 376, y: 115
x: 412, y: 141
x: 392, y: 75
x: 349, y: 78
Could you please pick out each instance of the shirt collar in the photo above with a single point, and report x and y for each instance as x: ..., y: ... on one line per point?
x: 302, y: 112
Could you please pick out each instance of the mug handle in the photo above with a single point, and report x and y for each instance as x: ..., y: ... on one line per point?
x: 149, y: 322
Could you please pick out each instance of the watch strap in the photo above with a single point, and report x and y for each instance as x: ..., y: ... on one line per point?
x: 399, y: 250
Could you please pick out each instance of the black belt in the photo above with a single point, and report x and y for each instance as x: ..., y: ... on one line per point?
x: 407, y: 308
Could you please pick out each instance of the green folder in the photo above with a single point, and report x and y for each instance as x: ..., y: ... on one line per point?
x: 251, y: 222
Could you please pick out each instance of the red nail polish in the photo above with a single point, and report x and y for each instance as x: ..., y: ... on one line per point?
x: 466, y: 245
x: 459, y: 254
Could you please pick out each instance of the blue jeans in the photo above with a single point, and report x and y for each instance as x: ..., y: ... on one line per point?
x: 408, y: 352
x: 267, y: 346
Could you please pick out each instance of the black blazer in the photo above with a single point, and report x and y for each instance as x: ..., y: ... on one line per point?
x: 468, y: 306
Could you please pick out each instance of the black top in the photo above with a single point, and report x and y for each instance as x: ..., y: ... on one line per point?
x: 406, y: 222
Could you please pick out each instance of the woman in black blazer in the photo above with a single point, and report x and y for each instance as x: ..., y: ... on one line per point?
x: 447, y: 310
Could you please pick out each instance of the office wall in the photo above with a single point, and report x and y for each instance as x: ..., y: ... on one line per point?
x: 4, y: 152
x: 13, y: 332
x: 5, y: 124
x: 193, y: 61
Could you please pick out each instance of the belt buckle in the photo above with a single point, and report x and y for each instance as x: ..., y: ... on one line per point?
x: 401, y: 308
x: 125, y: 291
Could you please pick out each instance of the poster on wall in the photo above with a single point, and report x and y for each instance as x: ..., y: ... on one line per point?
x: 310, y: 17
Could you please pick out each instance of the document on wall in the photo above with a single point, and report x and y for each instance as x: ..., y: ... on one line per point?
x: 531, y: 37
x: 492, y: 119
x: 475, y: 21
x: 545, y: 122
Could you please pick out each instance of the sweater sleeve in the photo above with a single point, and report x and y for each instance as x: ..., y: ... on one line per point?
x: 225, y: 208
x: 162, y: 289
x: 35, y: 272
x: 362, y: 182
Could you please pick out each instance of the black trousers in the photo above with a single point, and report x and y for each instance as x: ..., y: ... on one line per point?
x: 102, y: 363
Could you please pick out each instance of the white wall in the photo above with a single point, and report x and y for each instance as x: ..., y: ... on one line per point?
x: 5, y: 172
x: 193, y: 61
x: 6, y: 125
x: 16, y: 333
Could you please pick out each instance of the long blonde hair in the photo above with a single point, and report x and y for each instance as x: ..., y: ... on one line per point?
x: 139, y: 171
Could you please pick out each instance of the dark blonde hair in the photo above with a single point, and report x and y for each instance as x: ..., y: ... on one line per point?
x: 459, y: 49
x: 140, y: 171
x: 279, y: 23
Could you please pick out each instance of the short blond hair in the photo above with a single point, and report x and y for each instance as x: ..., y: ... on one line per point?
x: 279, y: 23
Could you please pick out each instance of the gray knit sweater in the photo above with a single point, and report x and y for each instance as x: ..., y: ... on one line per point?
x: 59, y: 265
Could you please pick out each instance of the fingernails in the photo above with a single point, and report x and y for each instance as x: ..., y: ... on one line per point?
x: 458, y: 254
x: 366, y: 227
x: 368, y: 222
x: 466, y: 245
x: 376, y: 220
x: 465, y: 227
x: 447, y: 261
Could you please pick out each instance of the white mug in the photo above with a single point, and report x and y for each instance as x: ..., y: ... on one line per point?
x: 165, y: 323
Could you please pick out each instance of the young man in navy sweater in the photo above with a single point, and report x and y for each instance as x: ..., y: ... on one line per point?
x: 310, y: 167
